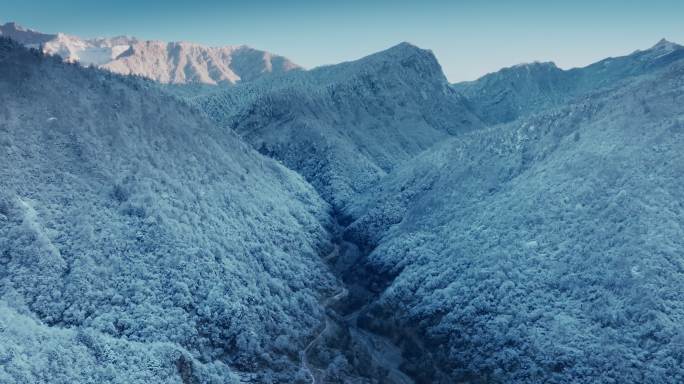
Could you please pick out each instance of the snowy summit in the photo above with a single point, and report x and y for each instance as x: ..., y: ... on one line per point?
x: 170, y: 63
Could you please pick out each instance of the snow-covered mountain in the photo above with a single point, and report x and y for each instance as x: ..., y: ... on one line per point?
x: 25, y: 36
x: 502, y: 223
x: 527, y: 88
x: 165, y: 62
x: 547, y: 249
x: 516, y: 242
x: 504, y: 95
x: 140, y: 243
x: 345, y: 126
x: 525, y: 227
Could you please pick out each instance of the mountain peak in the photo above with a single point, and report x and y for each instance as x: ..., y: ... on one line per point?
x: 535, y: 68
x: 25, y: 36
x: 167, y: 62
x: 404, y: 49
x: 406, y: 55
x: 405, y: 45
x: 534, y: 65
x: 401, y: 58
x: 11, y: 25
x: 665, y: 45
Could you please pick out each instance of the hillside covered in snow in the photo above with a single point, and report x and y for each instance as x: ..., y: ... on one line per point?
x: 345, y: 126
x: 523, y: 89
x: 525, y: 227
x: 546, y: 249
x: 366, y: 222
x: 139, y: 243
x: 165, y: 62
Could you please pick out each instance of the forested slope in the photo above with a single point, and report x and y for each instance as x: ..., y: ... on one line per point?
x: 137, y: 240
x: 547, y: 249
x: 345, y: 126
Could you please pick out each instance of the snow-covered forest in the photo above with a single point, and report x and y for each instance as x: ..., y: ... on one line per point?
x: 137, y: 236
x: 365, y: 222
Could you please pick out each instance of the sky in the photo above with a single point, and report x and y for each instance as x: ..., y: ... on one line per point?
x: 469, y: 38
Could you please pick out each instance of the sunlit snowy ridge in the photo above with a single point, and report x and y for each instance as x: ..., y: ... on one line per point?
x: 166, y: 62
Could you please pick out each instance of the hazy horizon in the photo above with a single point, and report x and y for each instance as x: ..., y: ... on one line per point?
x: 469, y: 39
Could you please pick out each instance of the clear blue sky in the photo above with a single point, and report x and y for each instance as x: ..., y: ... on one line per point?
x: 470, y: 38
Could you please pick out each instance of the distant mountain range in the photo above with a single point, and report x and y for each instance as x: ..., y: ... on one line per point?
x: 165, y: 62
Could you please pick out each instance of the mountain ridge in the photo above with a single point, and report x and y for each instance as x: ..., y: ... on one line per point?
x: 520, y: 251
x: 507, y: 94
x: 371, y: 113
x: 165, y: 62
x: 359, y: 222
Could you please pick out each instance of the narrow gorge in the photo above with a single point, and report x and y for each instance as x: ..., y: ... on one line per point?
x: 343, y: 350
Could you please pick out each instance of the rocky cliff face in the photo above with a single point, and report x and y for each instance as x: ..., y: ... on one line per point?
x: 187, y: 63
x: 165, y: 62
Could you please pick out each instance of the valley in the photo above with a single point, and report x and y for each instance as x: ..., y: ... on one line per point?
x: 431, y: 246
x: 366, y: 222
x: 341, y: 351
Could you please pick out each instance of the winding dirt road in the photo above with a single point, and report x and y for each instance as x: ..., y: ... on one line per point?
x: 311, y: 371
x: 381, y: 350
